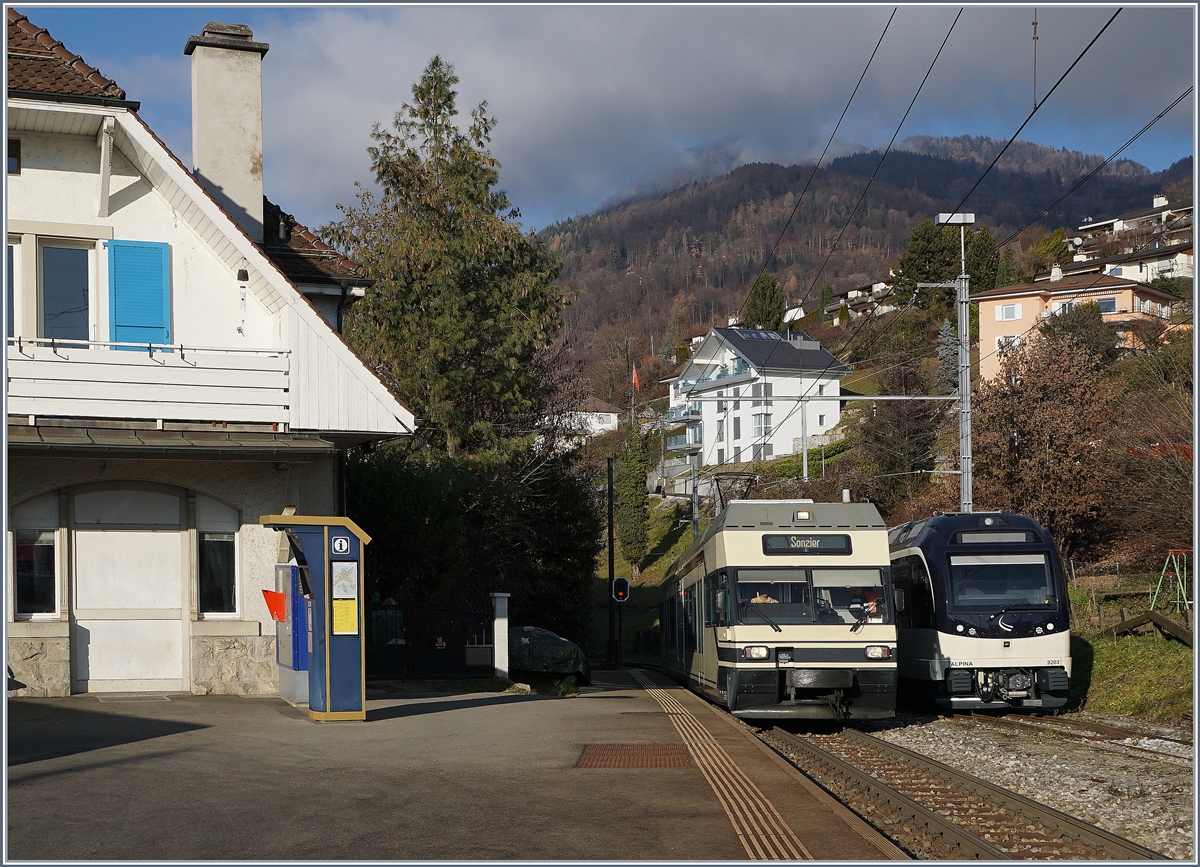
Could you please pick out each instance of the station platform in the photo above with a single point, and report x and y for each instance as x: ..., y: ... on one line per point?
x: 633, y: 768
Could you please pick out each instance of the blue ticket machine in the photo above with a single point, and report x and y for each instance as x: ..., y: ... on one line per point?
x: 329, y: 554
x: 293, y: 638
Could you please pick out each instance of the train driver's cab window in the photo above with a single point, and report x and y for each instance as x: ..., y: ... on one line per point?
x: 985, y: 582
x: 849, y: 596
x: 773, y: 595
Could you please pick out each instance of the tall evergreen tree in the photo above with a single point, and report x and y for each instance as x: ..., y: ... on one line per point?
x: 930, y: 256
x: 633, y: 504
x: 464, y: 303
x: 765, y: 305
x: 460, y: 324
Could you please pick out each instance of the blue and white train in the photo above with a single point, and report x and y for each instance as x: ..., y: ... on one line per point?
x: 982, y: 615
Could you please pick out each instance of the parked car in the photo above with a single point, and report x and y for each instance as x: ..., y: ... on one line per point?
x: 537, y: 650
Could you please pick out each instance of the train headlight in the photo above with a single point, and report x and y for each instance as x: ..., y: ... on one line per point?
x: 878, y: 651
x: 958, y: 628
x: 1049, y: 627
x: 756, y: 651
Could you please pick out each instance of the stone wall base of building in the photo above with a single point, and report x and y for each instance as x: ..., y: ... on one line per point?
x: 234, y: 665
x: 41, y: 664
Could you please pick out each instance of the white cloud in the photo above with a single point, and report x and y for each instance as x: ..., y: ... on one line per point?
x: 594, y: 100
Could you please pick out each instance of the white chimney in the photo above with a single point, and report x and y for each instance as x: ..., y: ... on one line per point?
x: 1055, y: 273
x: 227, y: 152
x: 1160, y: 201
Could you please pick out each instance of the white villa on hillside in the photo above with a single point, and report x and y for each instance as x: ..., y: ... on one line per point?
x: 733, y: 396
x: 174, y: 373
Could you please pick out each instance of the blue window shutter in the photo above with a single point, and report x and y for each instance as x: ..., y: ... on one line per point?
x: 139, y: 291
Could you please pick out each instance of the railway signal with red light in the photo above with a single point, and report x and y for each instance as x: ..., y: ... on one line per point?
x: 620, y: 589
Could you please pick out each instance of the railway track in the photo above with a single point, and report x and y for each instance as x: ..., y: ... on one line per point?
x: 1104, y: 737
x: 934, y: 811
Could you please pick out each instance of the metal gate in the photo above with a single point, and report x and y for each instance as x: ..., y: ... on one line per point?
x: 424, y: 641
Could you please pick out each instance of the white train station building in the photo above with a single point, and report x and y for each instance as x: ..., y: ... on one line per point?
x: 175, y: 372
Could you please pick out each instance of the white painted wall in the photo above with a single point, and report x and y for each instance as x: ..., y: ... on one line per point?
x: 60, y: 182
x: 787, y: 420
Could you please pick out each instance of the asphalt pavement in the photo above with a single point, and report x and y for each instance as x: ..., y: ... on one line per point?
x: 478, y: 776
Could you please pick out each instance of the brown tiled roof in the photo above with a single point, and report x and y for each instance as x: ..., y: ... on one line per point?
x: 301, y: 255
x: 38, y: 63
x: 1073, y: 282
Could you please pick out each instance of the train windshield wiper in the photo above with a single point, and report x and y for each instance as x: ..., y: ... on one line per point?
x: 757, y: 609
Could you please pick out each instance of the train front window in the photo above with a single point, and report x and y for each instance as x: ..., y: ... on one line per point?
x: 782, y: 595
x: 849, y: 596
x: 810, y: 596
x: 983, y: 583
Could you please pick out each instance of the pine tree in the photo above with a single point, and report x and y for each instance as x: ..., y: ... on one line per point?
x: 946, y: 377
x: 464, y: 303
x: 632, y: 507
x: 765, y: 305
x: 826, y: 299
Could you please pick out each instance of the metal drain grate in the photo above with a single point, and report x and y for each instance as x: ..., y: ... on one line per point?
x: 132, y: 698
x: 634, y: 756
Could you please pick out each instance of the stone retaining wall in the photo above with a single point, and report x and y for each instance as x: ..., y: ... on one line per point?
x: 43, y: 664
x: 234, y: 665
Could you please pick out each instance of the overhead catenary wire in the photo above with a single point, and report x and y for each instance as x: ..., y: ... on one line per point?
x: 775, y: 247
x: 975, y: 186
x: 883, y: 156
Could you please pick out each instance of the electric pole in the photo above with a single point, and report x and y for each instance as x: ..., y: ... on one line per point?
x: 962, y: 286
x: 612, y: 573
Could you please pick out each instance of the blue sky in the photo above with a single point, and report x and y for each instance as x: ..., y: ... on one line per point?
x: 593, y: 101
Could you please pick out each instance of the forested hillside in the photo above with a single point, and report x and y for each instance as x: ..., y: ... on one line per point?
x: 652, y: 272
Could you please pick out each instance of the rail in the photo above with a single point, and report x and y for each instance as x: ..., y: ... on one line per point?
x: 1070, y: 831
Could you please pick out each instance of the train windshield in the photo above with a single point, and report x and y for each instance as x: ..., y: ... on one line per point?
x: 981, y: 583
x: 811, y: 596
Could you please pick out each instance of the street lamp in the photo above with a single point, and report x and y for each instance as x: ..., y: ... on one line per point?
x: 962, y: 284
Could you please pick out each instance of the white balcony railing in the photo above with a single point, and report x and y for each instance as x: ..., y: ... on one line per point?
x: 99, y: 379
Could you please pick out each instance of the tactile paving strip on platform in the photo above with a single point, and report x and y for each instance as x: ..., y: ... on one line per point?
x: 634, y: 756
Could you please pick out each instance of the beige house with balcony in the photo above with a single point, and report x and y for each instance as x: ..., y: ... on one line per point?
x: 1008, y: 315
x: 174, y: 372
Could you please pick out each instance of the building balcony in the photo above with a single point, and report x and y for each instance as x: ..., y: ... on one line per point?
x: 690, y: 412
x: 682, y: 443
x: 103, y: 380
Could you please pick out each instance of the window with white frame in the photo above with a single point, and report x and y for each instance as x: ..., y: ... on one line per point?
x: 1008, y: 312
x: 67, y: 302
x: 737, y: 404
x: 11, y: 291
x: 1008, y: 342
x: 34, y: 544
x: 720, y: 456
x: 820, y: 390
x: 1107, y: 305
x: 737, y: 428
x: 720, y: 403
x: 821, y: 420
x: 1063, y: 306
x: 762, y: 424
x: 216, y: 542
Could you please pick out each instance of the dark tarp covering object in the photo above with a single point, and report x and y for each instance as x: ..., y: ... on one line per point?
x: 540, y: 650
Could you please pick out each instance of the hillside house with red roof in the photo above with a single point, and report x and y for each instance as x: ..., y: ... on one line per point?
x: 174, y: 371
x: 1010, y: 314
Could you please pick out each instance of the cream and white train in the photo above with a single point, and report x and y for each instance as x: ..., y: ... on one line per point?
x: 783, y: 608
x: 982, y: 612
